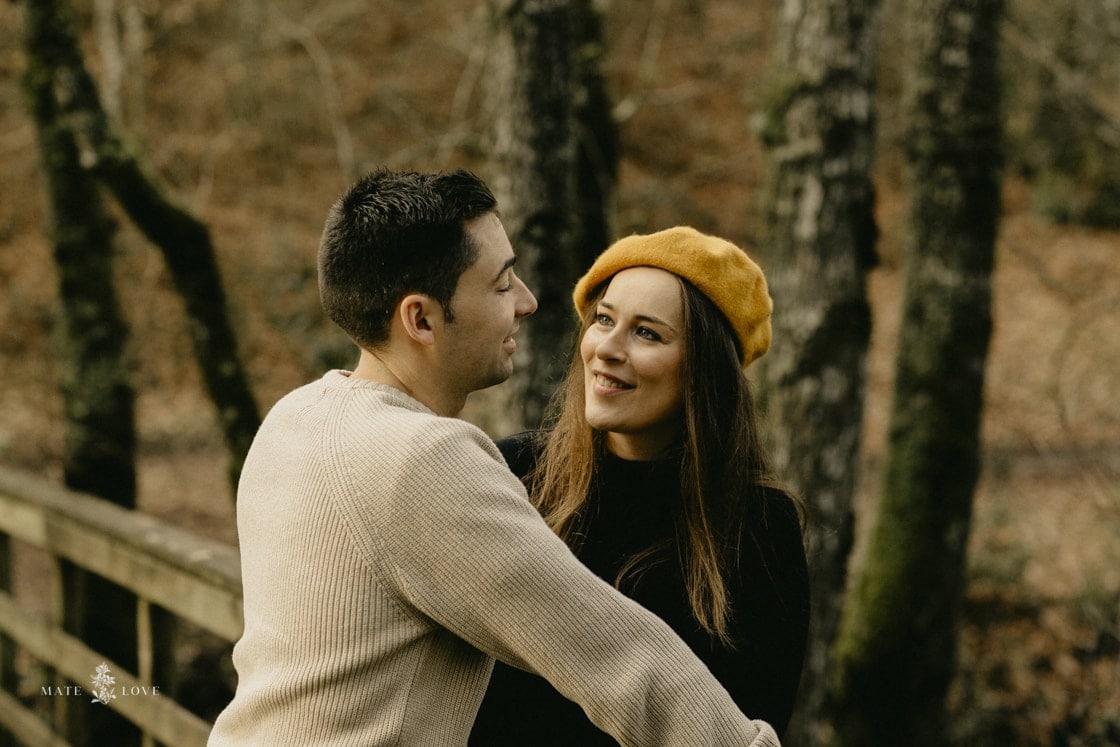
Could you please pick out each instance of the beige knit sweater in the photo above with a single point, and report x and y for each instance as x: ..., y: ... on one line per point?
x: 388, y: 553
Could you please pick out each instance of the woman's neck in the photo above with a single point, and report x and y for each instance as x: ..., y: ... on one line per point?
x: 641, y: 447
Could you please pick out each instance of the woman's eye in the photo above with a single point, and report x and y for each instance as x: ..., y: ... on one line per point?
x: 603, y: 319
x: 648, y: 334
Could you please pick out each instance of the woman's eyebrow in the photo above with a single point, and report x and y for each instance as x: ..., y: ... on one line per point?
x: 654, y: 320
x: 641, y: 317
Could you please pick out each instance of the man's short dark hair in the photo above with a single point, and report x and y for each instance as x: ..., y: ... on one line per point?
x: 395, y: 233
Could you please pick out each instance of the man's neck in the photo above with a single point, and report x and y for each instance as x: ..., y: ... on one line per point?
x: 385, y: 369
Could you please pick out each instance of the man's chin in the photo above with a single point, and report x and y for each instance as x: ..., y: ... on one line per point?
x: 497, y: 377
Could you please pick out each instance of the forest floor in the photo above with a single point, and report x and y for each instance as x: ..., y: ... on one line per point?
x: 234, y: 119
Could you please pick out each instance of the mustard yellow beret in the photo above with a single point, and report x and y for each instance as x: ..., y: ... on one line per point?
x: 720, y: 270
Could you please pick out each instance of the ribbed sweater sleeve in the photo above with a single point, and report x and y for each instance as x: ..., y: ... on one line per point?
x: 458, y: 539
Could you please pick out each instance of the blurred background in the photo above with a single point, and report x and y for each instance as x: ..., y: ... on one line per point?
x: 254, y: 116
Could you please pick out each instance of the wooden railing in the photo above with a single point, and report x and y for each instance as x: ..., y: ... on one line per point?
x: 191, y: 577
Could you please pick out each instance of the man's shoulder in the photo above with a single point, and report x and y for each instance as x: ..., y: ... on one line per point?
x: 308, y: 395
x: 374, y: 418
x: 448, y: 440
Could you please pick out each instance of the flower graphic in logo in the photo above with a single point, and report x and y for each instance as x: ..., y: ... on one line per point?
x: 102, y: 685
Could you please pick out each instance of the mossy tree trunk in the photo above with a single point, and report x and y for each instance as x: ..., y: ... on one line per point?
x: 820, y: 245
x: 80, y: 153
x: 98, y: 398
x: 9, y: 680
x: 183, y: 240
x: 189, y: 253
x: 597, y: 140
x: 896, y: 651
x: 533, y: 81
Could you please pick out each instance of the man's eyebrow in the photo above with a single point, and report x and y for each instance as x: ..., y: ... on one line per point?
x: 508, y: 264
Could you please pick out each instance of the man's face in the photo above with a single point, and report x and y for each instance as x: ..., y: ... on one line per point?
x: 488, y: 303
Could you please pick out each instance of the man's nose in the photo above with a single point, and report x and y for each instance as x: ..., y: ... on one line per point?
x: 527, y: 302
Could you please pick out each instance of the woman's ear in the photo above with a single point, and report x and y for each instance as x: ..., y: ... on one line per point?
x: 418, y: 315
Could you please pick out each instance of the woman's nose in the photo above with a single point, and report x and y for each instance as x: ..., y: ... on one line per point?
x: 610, y: 346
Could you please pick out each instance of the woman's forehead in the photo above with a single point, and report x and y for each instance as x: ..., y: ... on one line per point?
x: 650, y: 288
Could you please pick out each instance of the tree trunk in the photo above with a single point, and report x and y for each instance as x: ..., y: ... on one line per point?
x: 896, y: 652
x: 597, y: 140
x: 533, y: 85
x: 9, y: 680
x: 189, y: 253
x: 99, y: 400
x: 819, y: 132
x: 182, y: 238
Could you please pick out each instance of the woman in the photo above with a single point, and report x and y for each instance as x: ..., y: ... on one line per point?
x: 653, y: 473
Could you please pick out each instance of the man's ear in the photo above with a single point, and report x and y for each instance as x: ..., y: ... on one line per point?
x: 419, y: 315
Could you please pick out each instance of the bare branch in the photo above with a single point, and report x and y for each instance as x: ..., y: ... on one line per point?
x: 1070, y: 82
x: 324, y: 70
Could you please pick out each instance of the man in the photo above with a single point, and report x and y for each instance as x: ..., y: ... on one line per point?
x: 387, y: 551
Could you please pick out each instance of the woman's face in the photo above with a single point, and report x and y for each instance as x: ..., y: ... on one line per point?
x: 633, y: 354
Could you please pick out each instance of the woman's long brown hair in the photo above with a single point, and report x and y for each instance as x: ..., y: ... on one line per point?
x: 723, y: 467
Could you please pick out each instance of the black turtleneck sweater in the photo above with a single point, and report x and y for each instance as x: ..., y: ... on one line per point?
x: 632, y: 507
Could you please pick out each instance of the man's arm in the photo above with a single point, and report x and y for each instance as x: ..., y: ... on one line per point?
x: 470, y: 552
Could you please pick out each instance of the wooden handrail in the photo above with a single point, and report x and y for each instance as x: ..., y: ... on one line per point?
x: 193, y: 577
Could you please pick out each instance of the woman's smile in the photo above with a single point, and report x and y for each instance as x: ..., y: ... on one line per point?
x: 607, y: 384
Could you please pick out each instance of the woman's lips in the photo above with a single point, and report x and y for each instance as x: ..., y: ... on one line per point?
x: 607, y: 384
